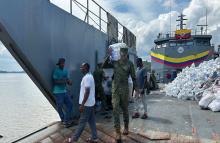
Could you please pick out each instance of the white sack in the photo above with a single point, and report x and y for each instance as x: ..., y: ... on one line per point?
x: 206, y: 100
x: 114, y: 50
x: 215, y: 105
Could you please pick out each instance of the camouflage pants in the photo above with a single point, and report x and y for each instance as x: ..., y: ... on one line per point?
x: 120, y: 100
x: 101, y: 96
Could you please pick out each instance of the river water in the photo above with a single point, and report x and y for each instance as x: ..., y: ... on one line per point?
x: 23, y: 108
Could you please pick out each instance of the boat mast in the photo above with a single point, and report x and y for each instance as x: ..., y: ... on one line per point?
x: 170, y: 18
x: 181, y: 19
x: 206, y: 21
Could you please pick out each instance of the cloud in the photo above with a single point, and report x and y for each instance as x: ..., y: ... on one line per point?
x: 147, y: 18
x: 147, y: 30
x: 169, y: 3
x: 196, y: 12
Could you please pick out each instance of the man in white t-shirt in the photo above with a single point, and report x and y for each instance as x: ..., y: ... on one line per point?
x: 86, y: 102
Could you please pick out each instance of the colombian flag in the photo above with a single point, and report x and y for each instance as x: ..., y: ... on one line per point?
x: 183, y: 34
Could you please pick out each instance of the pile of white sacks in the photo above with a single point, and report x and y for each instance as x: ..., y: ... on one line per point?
x: 201, y: 83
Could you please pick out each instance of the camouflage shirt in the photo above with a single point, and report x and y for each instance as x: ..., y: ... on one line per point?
x: 122, y: 70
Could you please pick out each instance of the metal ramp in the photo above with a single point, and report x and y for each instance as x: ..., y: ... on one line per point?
x: 37, y: 33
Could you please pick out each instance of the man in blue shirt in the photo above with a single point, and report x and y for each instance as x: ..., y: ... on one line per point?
x: 140, y: 95
x: 60, y: 81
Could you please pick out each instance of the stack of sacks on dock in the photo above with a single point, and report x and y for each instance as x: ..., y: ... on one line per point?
x: 210, y: 97
x: 199, y: 83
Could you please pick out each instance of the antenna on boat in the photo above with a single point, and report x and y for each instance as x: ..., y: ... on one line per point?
x: 170, y: 17
x: 204, y: 25
x: 181, y: 19
x: 206, y: 20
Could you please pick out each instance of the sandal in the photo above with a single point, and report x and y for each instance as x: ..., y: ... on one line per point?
x: 135, y: 115
x: 144, y: 116
x: 90, y: 140
x: 68, y: 140
x: 125, y: 132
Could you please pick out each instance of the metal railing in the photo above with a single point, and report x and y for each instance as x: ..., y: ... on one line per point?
x: 172, y: 34
x: 97, y: 18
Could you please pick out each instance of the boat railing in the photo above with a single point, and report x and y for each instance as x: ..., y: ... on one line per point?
x: 172, y: 34
x: 91, y: 12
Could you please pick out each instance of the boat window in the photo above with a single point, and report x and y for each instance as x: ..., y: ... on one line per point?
x: 206, y: 43
x: 180, y: 44
x: 172, y: 44
x: 164, y: 45
x: 199, y: 42
x: 158, y: 46
x: 189, y: 43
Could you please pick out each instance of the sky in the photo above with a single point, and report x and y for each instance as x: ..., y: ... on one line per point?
x: 146, y: 18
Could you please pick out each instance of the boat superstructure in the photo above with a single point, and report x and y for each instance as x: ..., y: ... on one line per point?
x: 173, y: 52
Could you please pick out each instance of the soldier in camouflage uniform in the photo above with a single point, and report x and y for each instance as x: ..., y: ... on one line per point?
x: 153, y: 81
x: 122, y: 69
x: 98, y: 75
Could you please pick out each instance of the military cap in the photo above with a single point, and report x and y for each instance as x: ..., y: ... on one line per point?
x: 124, y: 50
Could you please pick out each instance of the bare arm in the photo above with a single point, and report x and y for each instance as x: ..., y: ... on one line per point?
x: 86, y: 96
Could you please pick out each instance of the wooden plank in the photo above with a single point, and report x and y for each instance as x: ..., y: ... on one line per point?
x: 105, y: 138
x: 79, y: 141
x: 46, y: 140
x: 208, y: 141
x: 137, y: 138
x: 66, y: 132
x: 183, y: 139
x: 85, y: 135
x: 57, y: 137
x: 155, y: 135
x: 111, y: 132
x: 82, y: 138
